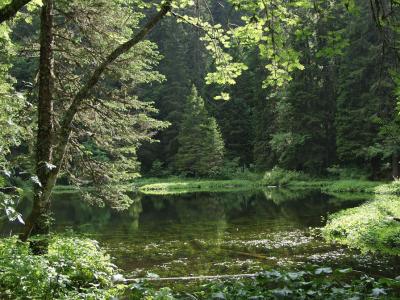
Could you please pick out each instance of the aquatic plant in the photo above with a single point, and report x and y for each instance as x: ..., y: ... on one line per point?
x: 314, y: 283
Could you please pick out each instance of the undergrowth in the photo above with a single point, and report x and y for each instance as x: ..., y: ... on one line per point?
x: 74, y: 268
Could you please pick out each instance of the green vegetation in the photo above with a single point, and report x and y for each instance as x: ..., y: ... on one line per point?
x: 374, y: 226
x: 353, y: 186
x: 201, y: 148
x: 183, y: 186
x: 275, y: 178
x: 95, y: 94
x: 76, y: 268
x: 318, y: 283
x: 73, y: 268
x: 350, y: 186
x: 280, y: 177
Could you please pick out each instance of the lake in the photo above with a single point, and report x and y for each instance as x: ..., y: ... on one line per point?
x: 215, y: 233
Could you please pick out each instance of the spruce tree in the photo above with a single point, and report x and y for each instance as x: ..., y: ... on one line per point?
x: 366, y: 102
x: 201, y: 148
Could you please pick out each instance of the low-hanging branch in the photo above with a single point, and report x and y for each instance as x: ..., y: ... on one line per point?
x: 84, y: 92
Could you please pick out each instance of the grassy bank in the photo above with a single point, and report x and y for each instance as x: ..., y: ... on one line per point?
x: 350, y: 186
x: 176, y: 185
x: 181, y: 186
x: 371, y: 227
x: 299, y: 180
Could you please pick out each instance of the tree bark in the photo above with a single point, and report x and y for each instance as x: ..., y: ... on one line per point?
x: 38, y: 221
x: 10, y: 10
x: 49, y: 161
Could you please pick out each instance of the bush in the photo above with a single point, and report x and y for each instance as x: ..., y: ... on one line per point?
x: 281, y: 177
x: 74, y: 268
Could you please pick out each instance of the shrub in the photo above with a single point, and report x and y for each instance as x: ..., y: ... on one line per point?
x: 281, y: 177
x: 74, y: 268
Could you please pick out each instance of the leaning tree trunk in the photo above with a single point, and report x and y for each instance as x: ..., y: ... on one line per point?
x: 51, y: 146
x: 38, y: 221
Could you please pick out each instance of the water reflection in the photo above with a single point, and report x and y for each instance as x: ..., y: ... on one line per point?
x: 208, y: 233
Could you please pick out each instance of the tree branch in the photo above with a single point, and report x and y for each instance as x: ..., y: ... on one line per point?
x: 84, y: 92
x: 10, y: 10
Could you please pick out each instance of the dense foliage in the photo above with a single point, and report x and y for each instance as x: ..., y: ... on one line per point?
x: 88, y: 88
x: 201, y: 148
x: 339, y: 112
x: 74, y: 268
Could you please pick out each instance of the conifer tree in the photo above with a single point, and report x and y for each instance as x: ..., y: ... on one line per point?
x: 366, y: 100
x: 201, y: 148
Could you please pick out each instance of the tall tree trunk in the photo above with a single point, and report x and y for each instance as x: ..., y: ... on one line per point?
x: 38, y: 221
x: 48, y: 160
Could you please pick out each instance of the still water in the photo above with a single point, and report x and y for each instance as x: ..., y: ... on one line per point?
x: 215, y: 233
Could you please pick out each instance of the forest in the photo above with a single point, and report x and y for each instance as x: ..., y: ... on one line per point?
x: 199, y: 149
